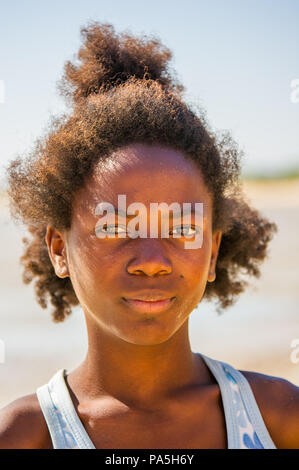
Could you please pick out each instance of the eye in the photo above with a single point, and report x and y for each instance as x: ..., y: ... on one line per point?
x: 111, y: 229
x: 187, y: 231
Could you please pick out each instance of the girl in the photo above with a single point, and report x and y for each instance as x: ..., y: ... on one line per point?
x: 140, y: 385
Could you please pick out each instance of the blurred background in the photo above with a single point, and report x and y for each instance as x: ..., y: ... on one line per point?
x: 239, y: 60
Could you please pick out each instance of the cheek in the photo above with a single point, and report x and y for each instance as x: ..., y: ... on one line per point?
x: 90, y: 268
x: 195, y: 272
x: 195, y: 263
x: 198, y: 269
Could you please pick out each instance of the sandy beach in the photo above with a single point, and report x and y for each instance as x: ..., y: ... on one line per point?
x: 255, y: 334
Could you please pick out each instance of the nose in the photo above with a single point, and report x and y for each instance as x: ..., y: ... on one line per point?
x: 151, y: 260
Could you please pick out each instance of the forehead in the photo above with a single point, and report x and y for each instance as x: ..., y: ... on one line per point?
x: 146, y: 174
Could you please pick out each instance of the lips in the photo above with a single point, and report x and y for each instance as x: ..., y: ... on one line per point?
x: 149, y: 302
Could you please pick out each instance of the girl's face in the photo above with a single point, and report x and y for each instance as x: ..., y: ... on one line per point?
x: 107, y: 272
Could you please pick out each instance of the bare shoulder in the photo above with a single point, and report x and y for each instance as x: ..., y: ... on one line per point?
x: 278, y: 401
x: 22, y: 425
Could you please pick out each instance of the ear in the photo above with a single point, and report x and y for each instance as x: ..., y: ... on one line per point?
x: 215, y: 250
x: 57, y: 251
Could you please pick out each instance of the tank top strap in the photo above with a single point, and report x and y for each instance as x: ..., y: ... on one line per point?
x: 245, y: 426
x: 244, y: 423
x: 65, y: 427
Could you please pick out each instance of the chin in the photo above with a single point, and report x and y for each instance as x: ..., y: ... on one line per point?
x: 146, y: 333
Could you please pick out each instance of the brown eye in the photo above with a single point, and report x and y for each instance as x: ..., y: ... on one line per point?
x: 111, y: 229
x: 187, y: 231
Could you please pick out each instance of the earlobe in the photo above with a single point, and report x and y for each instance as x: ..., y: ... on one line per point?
x: 211, y: 276
x: 61, y: 269
x: 57, y: 253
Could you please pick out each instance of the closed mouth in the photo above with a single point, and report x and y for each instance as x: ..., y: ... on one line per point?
x: 150, y: 306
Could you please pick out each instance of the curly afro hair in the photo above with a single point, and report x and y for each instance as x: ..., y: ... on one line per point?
x: 121, y: 91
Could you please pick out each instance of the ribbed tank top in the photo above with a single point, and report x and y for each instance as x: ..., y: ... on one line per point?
x: 244, y: 423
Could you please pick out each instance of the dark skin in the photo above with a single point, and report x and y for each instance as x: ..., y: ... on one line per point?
x: 140, y: 385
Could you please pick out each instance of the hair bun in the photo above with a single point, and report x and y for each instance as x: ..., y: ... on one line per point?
x: 107, y: 59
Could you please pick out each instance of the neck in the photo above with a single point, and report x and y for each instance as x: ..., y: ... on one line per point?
x: 138, y: 375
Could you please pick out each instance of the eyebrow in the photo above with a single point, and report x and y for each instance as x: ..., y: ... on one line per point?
x: 174, y: 214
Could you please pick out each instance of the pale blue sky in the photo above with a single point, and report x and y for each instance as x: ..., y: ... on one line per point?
x: 236, y: 58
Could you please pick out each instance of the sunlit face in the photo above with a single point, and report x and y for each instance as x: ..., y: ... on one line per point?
x: 107, y: 272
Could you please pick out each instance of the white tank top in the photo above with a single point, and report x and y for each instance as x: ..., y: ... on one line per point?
x: 244, y: 423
